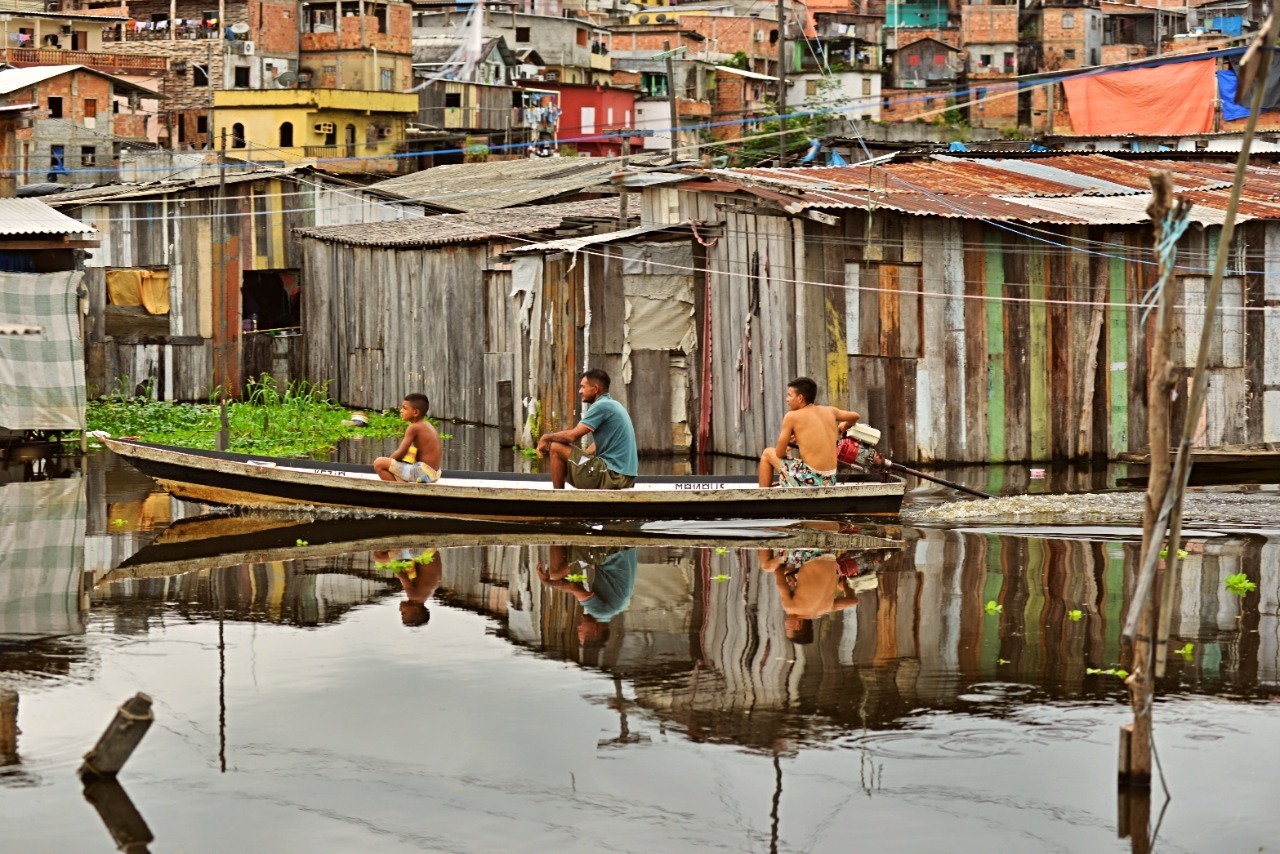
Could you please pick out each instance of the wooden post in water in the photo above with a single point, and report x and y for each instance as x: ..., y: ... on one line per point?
x: 1135, y: 738
x: 121, y: 738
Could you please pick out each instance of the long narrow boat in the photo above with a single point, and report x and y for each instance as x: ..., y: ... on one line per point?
x: 249, y: 481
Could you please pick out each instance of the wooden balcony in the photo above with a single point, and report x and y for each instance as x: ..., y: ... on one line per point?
x: 25, y: 57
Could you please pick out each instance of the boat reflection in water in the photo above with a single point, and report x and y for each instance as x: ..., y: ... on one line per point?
x: 750, y: 644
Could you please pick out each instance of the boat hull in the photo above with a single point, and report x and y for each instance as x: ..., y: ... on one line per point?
x: 248, y: 481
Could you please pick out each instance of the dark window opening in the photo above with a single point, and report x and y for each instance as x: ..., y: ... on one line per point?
x: 88, y: 156
x: 202, y: 124
x: 453, y: 99
x: 55, y: 108
x: 241, y: 77
x: 270, y: 299
x: 286, y: 135
x: 237, y: 135
x: 522, y: 35
x: 199, y: 75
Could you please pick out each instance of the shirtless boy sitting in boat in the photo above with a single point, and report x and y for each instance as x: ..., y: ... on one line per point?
x: 813, y: 429
x: 417, y: 460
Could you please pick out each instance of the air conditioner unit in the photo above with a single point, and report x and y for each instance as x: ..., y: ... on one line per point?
x: 67, y: 29
x: 247, y: 48
x: 324, y: 127
x: 759, y: 35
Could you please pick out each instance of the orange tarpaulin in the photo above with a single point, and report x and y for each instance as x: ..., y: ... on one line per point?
x: 1170, y: 99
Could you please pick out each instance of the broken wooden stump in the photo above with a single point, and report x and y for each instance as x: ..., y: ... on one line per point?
x: 121, y: 737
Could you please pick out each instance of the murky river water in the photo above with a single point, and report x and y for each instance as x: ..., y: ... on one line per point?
x: 669, y: 697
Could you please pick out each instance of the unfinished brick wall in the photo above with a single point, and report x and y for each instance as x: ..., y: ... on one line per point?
x: 730, y: 99
x: 901, y: 105
x: 85, y: 131
x: 989, y: 24
x: 947, y: 35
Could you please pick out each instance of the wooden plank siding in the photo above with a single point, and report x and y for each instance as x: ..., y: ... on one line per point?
x: 967, y: 342
x: 197, y: 351
x: 502, y: 340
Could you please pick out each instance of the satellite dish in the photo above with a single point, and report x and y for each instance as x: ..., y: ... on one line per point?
x: 240, y: 28
x: 284, y: 81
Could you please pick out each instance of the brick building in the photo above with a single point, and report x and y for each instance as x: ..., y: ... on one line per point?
x: 989, y: 33
x: 78, y: 129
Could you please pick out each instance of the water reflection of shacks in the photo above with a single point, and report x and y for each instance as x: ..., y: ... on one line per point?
x: 704, y: 645
x: 300, y: 593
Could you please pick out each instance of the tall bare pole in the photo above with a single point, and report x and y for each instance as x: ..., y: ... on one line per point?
x: 673, y: 106
x: 1254, y: 67
x: 782, y: 82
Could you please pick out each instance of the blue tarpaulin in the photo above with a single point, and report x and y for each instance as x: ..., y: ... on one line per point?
x: 1227, y: 95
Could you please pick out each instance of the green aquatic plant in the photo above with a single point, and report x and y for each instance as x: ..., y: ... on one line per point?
x: 293, y: 420
x: 119, y: 523
x: 994, y: 608
x: 721, y: 550
x: 393, y: 565
x: 720, y: 577
x: 1186, y: 651
x: 1182, y: 553
x: 1003, y: 661
x: 1118, y: 672
x: 1075, y: 615
x: 576, y: 577
x: 300, y: 543
x: 1239, y: 584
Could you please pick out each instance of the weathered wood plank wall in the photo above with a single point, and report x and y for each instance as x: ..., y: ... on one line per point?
x: 180, y: 230
x: 965, y: 342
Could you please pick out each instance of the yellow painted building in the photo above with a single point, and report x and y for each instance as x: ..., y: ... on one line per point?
x: 340, y: 130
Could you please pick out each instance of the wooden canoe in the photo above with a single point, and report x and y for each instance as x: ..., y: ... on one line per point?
x: 251, y: 481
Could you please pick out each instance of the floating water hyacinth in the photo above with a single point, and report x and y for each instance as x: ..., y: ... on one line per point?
x: 1239, y: 584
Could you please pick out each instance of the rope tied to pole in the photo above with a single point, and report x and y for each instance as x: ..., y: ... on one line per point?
x: 1172, y: 226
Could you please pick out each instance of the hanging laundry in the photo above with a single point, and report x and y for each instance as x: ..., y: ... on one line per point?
x: 1171, y: 99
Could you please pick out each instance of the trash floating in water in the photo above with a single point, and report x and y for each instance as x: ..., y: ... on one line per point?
x: 1078, y: 508
x: 1037, y: 474
x: 1113, y: 508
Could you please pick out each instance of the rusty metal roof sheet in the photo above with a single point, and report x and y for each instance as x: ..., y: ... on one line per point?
x: 1067, y: 189
x: 475, y: 227
x: 31, y: 216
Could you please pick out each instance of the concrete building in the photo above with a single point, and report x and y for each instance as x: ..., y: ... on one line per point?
x: 575, y: 51
x: 349, y: 131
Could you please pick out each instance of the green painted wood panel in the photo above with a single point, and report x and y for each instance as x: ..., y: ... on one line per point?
x: 1118, y: 355
x: 994, y: 286
x: 1039, y: 355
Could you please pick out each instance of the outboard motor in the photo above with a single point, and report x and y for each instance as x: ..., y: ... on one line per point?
x: 858, y: 448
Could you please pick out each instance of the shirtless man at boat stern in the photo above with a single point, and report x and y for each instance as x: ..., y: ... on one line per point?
x: 812, y: 428
x: 611, y: 462
x: 417, y: 460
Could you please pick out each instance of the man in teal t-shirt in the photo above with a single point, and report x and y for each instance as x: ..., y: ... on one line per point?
x: 611, y: 461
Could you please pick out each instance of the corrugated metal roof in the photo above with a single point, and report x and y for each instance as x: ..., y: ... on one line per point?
x: 117, y: 192
x: 13, y: 79
x: 501, y: 184
x: 32, y: 216
x: 576, y: 244
x: 478, y: 226
x: 1070, y: 189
